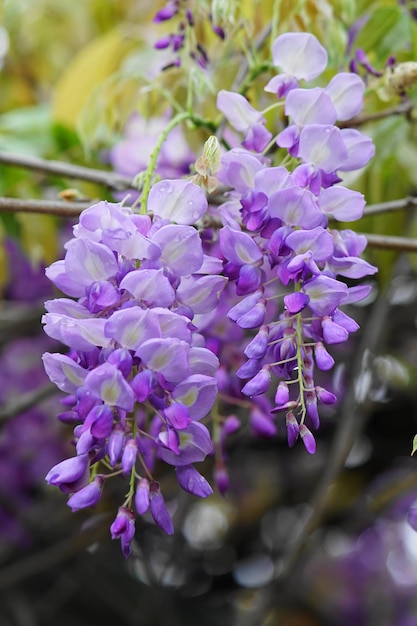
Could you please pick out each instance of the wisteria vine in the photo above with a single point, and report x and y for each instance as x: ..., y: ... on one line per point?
x: 221, y: 290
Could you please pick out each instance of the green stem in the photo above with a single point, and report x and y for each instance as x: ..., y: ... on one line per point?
x: 300, y: 344
x: 273, y: 106
x: 275, y: 20
x: 253, y: 74
x: 147, y: 178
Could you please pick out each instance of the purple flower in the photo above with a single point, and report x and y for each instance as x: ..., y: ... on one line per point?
x: 261, y: 424
x: 308, y: 439
x: 299, y: 55
x: 177, y: 415
x: 333, y: 332
x: 323, y: 146
x: 346, y: 92
x: 341, y: 204
x: 295, y: 207
x: 257, y: 348
x: 194, y: 445
x: 129, y: 455
x: 259, y: 383
x: 238, y: 170
x: 193, y: 482
x: 64, y: 372
x: 323, y: 359
x: 107, y: 383
x: 150, y: 286
x: 325, y: 294
x: 123, y: 528
x: 310, y: 106
x: 181, y: 249
x: 159, y: 511
x: 179, y: 201
x: 243, y: 117
x: 68, y: 471
x: 201, y: 294
x: 238, y: 247
x: 100, y: 421
x: 197, y: 393
x: 133, y: 326
x: 87, y: 496
x: 237, y: 110
x: 115, y: 444
x: 293, y: 428
x: 167, y: 12
x: 360, y: 149
x: 221, y: 478
x: 167, y: 356
x: 142, y: 496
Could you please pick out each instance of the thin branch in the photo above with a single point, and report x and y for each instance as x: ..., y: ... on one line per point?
x: 46, y: 207
x: 67, y: 170
x: 52, y: 556
x: 387, y: 242
x: 393, y: 205
x: 401, y: 109
x: 351, y: 421
x: 27, y: 401
x: 244, y: 67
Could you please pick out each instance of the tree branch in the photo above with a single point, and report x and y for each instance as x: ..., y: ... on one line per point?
x: 46, y: 207
x: 111, y: 180
x: 393, y: 205
x: 53, y: 555
x: 401, y: 109
x: 27, y: 401
x: 386, y: 242
x: 354, y: 413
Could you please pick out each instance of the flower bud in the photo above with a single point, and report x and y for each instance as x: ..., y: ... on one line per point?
x: 193, y: 482
x: 87, y: 496
x: 293, y: 429
x: 142, y: 496
x: 308, y: 439
x: 159, y: 511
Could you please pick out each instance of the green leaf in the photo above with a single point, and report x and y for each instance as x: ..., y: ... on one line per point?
x: 382, y: 21
x: 10, y: 224
x: 414, y: 445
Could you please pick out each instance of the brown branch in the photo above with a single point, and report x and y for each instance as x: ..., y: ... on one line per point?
x: 351, y: 421
x: 53, y: 555
x: 111, y: 180
x: 386, y: 242
x: 46, y: 207
x: 393, y: 205
x: 27, y: 401
x: 401, y: 109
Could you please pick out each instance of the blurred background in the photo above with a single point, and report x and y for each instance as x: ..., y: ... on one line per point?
x: 295, y: 542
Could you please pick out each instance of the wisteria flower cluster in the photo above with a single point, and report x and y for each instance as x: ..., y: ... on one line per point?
x: 171, y: 308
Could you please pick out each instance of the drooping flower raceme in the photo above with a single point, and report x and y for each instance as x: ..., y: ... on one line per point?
x: 138, y: 374
x: 192, y: 304
x: 282, y: 248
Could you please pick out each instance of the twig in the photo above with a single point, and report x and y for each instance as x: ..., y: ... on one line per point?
x: 350, y: 423
x: 47, y: 207
x: 259, y: 42
x: 52, y: 555
x: 393, y: 205
x: 403, y: 108
x: 27, y: 401
x: 67, y: 170
x: 387, y: 242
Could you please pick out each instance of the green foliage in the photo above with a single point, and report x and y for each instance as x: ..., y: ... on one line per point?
x: 376, y: 35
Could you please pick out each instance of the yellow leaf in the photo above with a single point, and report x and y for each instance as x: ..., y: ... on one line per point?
x: 39, y: 237
x: 4, y: 274
x: 93, y: 64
